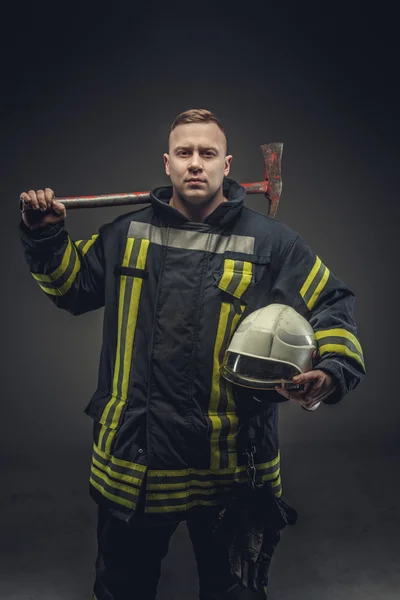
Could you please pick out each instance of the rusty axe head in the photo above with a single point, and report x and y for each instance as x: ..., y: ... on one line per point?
x: 272, y: 154
x: 272, y: 185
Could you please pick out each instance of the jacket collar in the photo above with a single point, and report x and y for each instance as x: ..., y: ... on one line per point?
x: 223, y: 214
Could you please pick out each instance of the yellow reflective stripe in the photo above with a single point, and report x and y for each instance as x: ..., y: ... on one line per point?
x: 246, y: 279
x: 132, y: 321
x: 318, y: 289
x: 89, y: 243
x: 191, y: 503
x: 116, y: 474
x: 231, y: 406
x: 118, y: 461
x: 310, y: 302
x: 236, y: 278
x: 226, y: 471
x: 110, y: 403
x: 269, y: 476
x: 184, y: 485
x: 114, y: 484
x: 50, y: 291
x: 211, y: 483
x: 60, y: 269
x: 113, y: 399
x: 118, y: 397
x: 271, y: 463
x: 215, y: 395
x: 142, y: 257
x: 246, y: 275
x: 227, y: 274
x: 181, y: 472
x: 215, y: 386
x: 275, y: 483
x: 340, y: 333
x: 231, y: 438
x: 162, y: 499
x: 192, y: 483
x: 63, y: 289
x: 66, y: 286
x: 131, y: 328
x: 112, y: 497
x: 310, y: 277
x: 341, y: 349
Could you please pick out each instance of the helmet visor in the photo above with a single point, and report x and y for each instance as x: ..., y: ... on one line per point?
x: 258, y: 373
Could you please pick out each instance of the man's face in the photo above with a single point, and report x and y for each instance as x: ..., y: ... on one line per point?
x: 196, y: 162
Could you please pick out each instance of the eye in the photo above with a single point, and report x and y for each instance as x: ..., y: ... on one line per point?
x: 209, y: 153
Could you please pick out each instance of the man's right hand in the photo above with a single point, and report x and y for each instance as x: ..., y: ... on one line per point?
x: 41, y: 209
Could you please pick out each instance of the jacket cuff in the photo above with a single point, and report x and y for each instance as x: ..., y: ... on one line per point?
x: 43, y: 236
x: 329, y: 367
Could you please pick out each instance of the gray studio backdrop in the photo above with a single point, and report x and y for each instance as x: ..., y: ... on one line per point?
x: 92, y: 118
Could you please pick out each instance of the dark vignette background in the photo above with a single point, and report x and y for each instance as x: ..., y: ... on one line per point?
x: 87, y: 98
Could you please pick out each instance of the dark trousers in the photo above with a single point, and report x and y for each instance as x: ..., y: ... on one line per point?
x: 128, y: 563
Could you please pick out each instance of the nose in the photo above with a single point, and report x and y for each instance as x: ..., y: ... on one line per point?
x: 195, y: 162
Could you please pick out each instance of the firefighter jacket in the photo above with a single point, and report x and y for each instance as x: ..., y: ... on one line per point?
x: 173, y: 292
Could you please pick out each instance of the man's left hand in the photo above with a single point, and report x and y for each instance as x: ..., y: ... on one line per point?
x: 317, y: 384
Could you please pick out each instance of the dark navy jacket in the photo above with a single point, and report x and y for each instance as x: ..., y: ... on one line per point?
x: 173, y: 293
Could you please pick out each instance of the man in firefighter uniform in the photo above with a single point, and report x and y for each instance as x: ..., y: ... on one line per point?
x: 176, y: 278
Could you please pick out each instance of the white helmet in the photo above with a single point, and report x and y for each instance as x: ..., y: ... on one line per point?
x: 270, y: 347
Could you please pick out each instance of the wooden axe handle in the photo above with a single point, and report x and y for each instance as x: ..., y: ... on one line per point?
x: 270, y: 187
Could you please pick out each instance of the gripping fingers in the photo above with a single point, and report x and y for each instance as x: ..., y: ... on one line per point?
x: 37, y: 200
x: 41, y: 200
x: 23, y: 199
x: 58, y: 208
x: 32, y: 200
x: 49, y: 197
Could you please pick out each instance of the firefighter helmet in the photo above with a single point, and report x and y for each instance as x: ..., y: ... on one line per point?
x: 270, y: 347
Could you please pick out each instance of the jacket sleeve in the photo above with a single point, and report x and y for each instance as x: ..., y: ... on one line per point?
x: 71, y: 274
x: 306, y: 283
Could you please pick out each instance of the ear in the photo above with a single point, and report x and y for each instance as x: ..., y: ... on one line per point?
x: 166, y: 162
x: 227, y: 167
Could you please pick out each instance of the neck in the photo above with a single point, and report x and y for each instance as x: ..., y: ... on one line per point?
x: 196, y: 213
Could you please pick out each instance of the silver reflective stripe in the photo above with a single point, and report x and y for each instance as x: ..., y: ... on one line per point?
x: 192, y: 240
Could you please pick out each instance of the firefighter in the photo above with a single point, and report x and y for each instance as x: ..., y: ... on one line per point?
x: 170, y: 432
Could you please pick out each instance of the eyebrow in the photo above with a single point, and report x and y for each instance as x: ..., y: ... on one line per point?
x: 188, y: 147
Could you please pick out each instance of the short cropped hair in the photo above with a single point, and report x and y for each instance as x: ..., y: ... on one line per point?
x: 198, y: 115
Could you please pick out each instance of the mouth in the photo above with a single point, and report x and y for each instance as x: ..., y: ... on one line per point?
x: 193, y: 180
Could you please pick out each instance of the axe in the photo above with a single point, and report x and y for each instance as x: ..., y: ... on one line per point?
x: 271, y: 187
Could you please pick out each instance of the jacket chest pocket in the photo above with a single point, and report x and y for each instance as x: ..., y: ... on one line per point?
x: 238, y: 277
